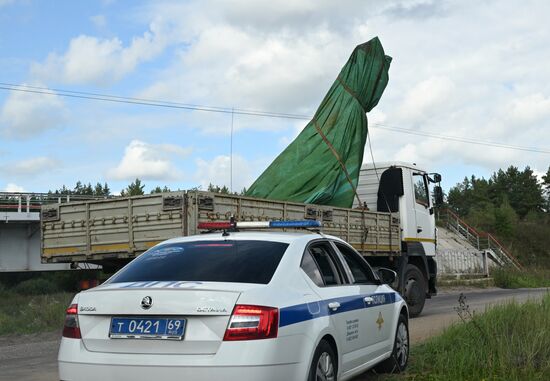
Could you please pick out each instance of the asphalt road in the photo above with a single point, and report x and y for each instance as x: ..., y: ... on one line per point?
x: 33, y: 357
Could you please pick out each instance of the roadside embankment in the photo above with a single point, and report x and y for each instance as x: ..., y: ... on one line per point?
x: 508, y: 342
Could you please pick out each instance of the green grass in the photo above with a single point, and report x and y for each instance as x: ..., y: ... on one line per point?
x: 507, y: 343
x: 528, y: 278
x: 20, y: 314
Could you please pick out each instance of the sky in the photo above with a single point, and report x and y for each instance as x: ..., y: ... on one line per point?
x: 469, y: 69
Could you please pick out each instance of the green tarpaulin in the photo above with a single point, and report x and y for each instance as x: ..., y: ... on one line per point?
x: 321, y: 166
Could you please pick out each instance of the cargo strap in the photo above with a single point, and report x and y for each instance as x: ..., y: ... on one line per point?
x: 352, y: 93
x: 338, y: 158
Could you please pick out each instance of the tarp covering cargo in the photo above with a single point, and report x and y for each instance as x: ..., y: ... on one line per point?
x: 321, y: 166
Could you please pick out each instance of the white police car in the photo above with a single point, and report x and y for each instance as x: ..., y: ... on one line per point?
x: 237, y: 306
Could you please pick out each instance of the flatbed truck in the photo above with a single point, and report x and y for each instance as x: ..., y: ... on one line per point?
x: 393, y: 227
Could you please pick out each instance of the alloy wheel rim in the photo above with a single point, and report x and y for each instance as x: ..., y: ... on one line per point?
x: 402, y: 345
x: 325, y: 368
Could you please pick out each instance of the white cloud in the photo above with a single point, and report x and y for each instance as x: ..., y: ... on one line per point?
x: 425, y: 96
x: 30, y: 167
x: 218, y: 172
x: 11, y: 187
x: 149, y: 162
x: 449, y: 75
x: 99, y: 21
x: 90, y: 59
x: 531, y: 109
x: 35, y: 165
x: 281, y: 57
x: 482, y: 83
x: 25, y: 115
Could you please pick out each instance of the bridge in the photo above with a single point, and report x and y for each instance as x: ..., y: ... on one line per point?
x: 20, y: 230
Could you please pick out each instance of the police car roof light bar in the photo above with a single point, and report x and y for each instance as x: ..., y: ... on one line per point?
x: 305, y: 224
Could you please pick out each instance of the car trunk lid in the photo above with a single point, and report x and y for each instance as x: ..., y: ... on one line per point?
x: 206, y: 308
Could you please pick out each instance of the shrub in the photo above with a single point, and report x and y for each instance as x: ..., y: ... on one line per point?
x: 528, y: 278
x: 36, y: 286
x: 22, y: 314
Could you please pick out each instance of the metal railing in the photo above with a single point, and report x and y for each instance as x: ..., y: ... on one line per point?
x: 480, y: 240
x: 32, y: 202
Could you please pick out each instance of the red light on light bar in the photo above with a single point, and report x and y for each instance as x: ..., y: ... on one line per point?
x: 215, y: 225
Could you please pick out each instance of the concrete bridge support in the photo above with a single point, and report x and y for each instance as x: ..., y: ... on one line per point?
x: 20, y: 243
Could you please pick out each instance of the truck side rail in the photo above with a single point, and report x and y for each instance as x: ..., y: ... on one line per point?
x: 124, y: 227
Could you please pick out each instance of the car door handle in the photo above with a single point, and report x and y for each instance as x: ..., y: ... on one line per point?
x: 419, y: 229
x: 368, y: 299
x: 334, y: 306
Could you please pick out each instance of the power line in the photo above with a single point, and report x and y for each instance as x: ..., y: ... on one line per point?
x: 144, y: 102
x: 225, y: 110
x: 460, y: 139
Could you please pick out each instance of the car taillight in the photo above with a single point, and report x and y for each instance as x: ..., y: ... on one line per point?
x: 71, y: 329
x: 252, y: 323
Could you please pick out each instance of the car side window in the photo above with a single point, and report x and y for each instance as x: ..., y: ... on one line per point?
x: 321, y: 253
x: 311, y: 269
x: 360, y: 270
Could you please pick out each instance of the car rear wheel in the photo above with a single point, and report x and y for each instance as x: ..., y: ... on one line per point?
x: 324, y: 366
x: 399, y: 358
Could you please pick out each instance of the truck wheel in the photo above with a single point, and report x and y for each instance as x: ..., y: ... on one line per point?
x: 414, y: 290
x: 399, y: 358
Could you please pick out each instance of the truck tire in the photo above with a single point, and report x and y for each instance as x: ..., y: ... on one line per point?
x: 414, y: 290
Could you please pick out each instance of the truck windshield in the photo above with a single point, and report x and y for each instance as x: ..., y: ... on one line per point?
x: 207, y: 261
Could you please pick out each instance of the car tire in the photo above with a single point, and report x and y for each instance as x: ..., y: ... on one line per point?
x: 324, y: 366
x: 399, y: 358
x: 414, y: 290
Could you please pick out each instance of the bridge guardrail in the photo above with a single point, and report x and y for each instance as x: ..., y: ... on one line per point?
x: 21, y: 202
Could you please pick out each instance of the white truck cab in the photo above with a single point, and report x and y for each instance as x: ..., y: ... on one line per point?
x: 404, y: 189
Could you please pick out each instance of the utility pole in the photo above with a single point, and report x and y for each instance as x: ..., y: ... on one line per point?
x: 231, y: 153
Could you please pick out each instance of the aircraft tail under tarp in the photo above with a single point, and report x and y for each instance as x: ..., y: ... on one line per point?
x: 321, y: 166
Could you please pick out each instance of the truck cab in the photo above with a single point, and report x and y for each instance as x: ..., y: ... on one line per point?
x: 404, y: 189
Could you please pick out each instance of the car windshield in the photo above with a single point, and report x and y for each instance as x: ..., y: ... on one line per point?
x: 207, y: 261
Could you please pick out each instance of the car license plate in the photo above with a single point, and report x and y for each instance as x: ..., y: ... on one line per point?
x: 147, y: 328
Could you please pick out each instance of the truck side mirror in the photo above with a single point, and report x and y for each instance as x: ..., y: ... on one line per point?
x: 436, y: 178
x: 438, y: 196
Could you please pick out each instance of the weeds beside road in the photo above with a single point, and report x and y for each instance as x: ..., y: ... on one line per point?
x: 509, y: 342
x: 528, y: 278
x: 20, y: 313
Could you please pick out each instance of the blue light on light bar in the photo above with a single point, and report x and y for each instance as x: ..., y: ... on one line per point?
x: 295, y: 224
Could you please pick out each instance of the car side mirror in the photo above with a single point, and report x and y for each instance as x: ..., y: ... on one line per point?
x: 386, y: 276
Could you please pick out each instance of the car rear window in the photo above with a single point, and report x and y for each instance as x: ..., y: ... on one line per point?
x: 206, y: 261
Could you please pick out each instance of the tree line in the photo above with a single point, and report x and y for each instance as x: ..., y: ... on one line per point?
x: 135, y: 188
x: 512, y: 204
